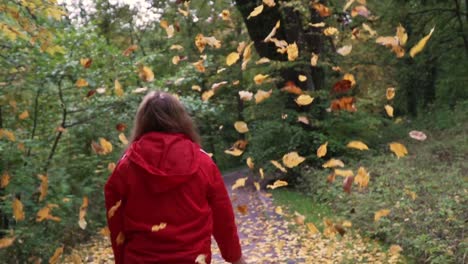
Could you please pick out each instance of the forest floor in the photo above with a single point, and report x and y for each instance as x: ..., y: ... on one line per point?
x: 270, y: 236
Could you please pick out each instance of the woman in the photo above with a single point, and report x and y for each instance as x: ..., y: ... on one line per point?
x: 166, y: 197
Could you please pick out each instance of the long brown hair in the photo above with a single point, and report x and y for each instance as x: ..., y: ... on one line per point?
x: 162, y: 112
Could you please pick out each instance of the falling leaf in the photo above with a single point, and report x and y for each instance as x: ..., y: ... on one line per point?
x: 156, y: 228
x: 273, y: 32
x: 322, y: 150
x: 395, y: 250
x: 314, y: 59
x: 43, y: 187
x: 345, y: 50
x: 381, y: 213
x: 293, y: 51
x: 5, y: 180
x: 401, y: 35
x: 106, y: 146
x: 345, y: 103
x: 291, y: 87
x: 362, y: 177
x: 199, y: 66
x: 412, y: 194
x: 6, y: 242
x: 185, y: 13
x: 146, y: 74
x: 232, y: 58
x: 225, y: 15
x: 257, y: 10
x: 111, y: 166
x: 201, y: 259
x: 331, y: 177
x: 390, y: 93
x: 81, y: 83
x: 421, y: 44
x: 123, y: 139
x: 243, y: 209
x: 279, y: 210
x: 45, y: 214
x: 332, y: 163
x: 234, y: 152
x: 277, y: 184
x: 262, y: 175
x: 303, y: 119
x: 113, y: 209
x: 176, y: 47
x: 292, y: 159
x: 257, y: 186
x: 207, y: 95
x: 261, y: 95
x: 418, y: 135
x: 118, y: 90
x: 24, y: 115
x: 120, y: 239
x: 357, y: 145
x: 322, y: 10
x: 347, y: 184
x: 299, y: 218
x: 342, y: 86
x: 348, y: 4
x: 262, y: 60
x: 399, y: 149
x: 127, y: 52
x: 389, y: 110
x: 56, y: 257
x: 350, y: 77
x: 121, y: 127
x: 312, y: 229
x: 83, y: 208
x: 317, y: 25
x: 270, y: 3
x: 343, y: 173
x: 196, y: 88
x: 278, y: 165
x: 18, y: 212
x: 246, y: 56
x: 250, y: 163
x: 175, y: 60
x: 304, y: 99
x: 259, y: 78
x: 239, y: 183
x: 360, y: 10
x: 245, y: 95
x: 330, y: 31
x: 367, y: 28
x: 86, y: 62
x: 302, y: 78
x: 241, y: 127
x: 170, y: 30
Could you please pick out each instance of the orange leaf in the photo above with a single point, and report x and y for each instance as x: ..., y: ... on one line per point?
x: 56, y: 257
x: 291, y: 87
x: 156, y: 228
x: 6, y: 242
x: 146, y: 74
x: 399, y: 149
x: 5, y: 180
x: 86, y: 62
x: 130, y: 50
x: 18, y: 211
x: 43, y: 187
x: 322, y: 150
x: 381, y: 213
x: 322, y: 10
x: 243, y: 209
x: 113, y: 209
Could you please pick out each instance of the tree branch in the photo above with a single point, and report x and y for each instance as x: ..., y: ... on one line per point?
x: 36, y: 114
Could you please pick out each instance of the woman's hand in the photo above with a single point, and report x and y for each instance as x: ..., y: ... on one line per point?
x: 240, y: 261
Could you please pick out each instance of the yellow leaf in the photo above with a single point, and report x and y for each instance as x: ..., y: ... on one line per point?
x: 389, y: 110
x: 314, y: 59
x: 322, y: 150
x: 123, y: 139
x: 257, y: 10
x: 312, y: 228
x: 381, y: 213
x: 106, y: 146
x: 399, y: 149
x: 277, y: 184
x: 18, y: 212
x: 245, y: 95
x: 330, y: 31
x: 5, y: 180
x: 226, y: 15
x: 347, y: 223
x: 421, y: 44
x: 367, y: 28
x: 257, y: 186
x: 278, y: 165
x: 259, y: 78
x: 83, y: 208
x: 24, y: 115
x: 345, y: 50
x: 270, y: 3
x: 390, y: 93
x: 199, y: 66
x: 292, y: 159
x: 175, y: 60
x: 118, y: 90
x: 250, y: 163
x: 412, y: 194
x: 278, y: 210
x: 293, y: 51
x: 156, y: 228
x: 241, y: 127
x: 239, y: 183
x: 394, y: 250
x: 247, y: 54
x: 81, y: 83
x: 170, y: 30
x: 332, y: 163
x: 196, y: 88
x: 56, y: 257
x: 234, y: 152
x: 304, y: 99
x: 401, y: 35
x: 357, y: 145
x: 302, y: 78
x: 6, y: 242
x: 44, y: 214
x: 299, y: 219
x: 43, y: 187
x: 262, y: 175
x: 206, y: 95
x: 317, y: 25
x: 201, y: 259
x: 232, y: 58
x: 362, y: 177
x: 86, y: 62
x: 146, y: 74
x: 261, y: 95
x: 185, y: 13
x: 350, y: 77
x: 273, y: 31
x: 262, y: 60
x: 8, y: 134
x: 176, y: 47
x: 321, y: 9
x: 344, y: 173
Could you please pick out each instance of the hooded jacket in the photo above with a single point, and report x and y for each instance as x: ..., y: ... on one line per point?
x: 164, y: 200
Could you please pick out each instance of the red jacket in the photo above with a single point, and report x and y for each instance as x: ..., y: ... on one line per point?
x: 166, y: 180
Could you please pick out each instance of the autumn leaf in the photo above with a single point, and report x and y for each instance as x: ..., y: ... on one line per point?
x: 123, y: 139
x: 314, y: 59
x: 303, y: 119
x: 322, y: 10
x: 259, y: 78
x: 269, y: 3
x: 401, y: 35
x: 367, y: 28
x: 273, y: 32
x: 199, y: 66
x: 206, y: 95
x: 245, y: 95
x: 345, y: 50
x: 290, y: 87
x: 250, y: 163
x: 18, y: 211
x: 342, y: 86
x: 8, y: 134
x: 262, y: 175
x: 120, y: 239
x: 45, y: 214
x: 201, y: 259
x: 105, y: 145
x: 121, y: 127
x: 257, y: 10
x: 243, y: 209
x: 278, y: 165
x: 6, y: 242
x: 225, y: 15
x: 83, y: 209
x: 156, y: 228
x: 24, y: 115
x: 331, y: 177
x: 128, y: 51
x: 389, y: 110
x: 344, y: 103
x: 43, y: 187
x: 302, y: 78
x: 81, y: 83
x: 381, y: 213
x: 330, y: 31
x: 348, y: 184
x: 292, y: 159
x: 146, y: 74
x: 332, y: 163
x: 317, y: 25
x: 350, y: 77
x: 277, y: 184
x: 261, y: 95
x: 322, y: 150
x: 111, y: 166
x: 56, y: 257
x: 86, y: 62
x: 362, y: 177
x: 399, y: 149
x: 246, y: 56
x: 241, y: 127
x: 118, y: 90
x: 293, y: 51
x: 257, y: 186
x: 113, y: 209
x: 234, y: 152
x: 239, y: 183
x: 262, y: 60
x: 343, y: 173
x: 390, y: 94
x: 5, y: 180
x: 176, y: 47
x: 357, y: 145
x: 232, y: 58
x: 421, y: 44
x: 360, y: 10
x: 304, y: 99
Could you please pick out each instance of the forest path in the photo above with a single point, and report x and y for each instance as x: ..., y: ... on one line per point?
x: 269, y: 238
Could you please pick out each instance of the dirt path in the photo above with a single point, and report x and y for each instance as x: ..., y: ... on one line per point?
x: 268, y: 237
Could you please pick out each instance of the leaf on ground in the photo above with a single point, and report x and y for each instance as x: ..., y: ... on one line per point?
x: 56, y: 257
x: 399, y: 149
x: 381, y: 213
x: 250, y: 163
x: 332, y: 163
x: 262, y: 95
x: 362, y: 177
x: 18, y: 211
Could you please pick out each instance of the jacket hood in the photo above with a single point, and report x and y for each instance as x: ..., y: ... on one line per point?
x: 169, y: 159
